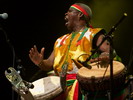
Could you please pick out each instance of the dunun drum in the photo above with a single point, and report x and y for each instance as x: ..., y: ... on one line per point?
x: 93, y: 80
x: 46, y: 88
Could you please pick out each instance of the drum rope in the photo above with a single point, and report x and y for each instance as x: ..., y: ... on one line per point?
x: 101, y: 80
x: 98, y: 64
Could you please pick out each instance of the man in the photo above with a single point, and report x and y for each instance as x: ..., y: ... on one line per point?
x: 68, y: 48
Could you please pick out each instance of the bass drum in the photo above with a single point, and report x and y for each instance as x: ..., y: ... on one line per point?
x: 98, y: 79
x: 46, y: 88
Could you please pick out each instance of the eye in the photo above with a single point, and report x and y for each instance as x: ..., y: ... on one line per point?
x: 70, y: 10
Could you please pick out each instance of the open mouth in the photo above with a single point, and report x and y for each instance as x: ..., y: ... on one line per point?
x: 67, y: 22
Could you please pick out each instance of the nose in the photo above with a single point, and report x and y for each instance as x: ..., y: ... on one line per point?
x: 66, y: 13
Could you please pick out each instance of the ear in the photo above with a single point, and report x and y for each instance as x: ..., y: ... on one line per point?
x: 80, y: 14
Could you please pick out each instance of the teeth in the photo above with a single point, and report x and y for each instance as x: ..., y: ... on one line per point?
x: 66, y: 23
x: 66, y: 19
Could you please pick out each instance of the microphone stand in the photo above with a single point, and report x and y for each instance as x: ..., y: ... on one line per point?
x: 109, y: 38
x: 13, y: 53
x: 111, y: 68
x: 105, y: 38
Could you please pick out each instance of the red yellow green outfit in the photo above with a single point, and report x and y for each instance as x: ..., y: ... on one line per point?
x: 71, y: 46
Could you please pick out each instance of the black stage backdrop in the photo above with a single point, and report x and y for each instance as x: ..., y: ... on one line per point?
x: 40, y: 22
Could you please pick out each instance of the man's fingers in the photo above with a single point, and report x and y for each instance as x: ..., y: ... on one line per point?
x: 32, y: 51
x: 35, y: 48
x: 42, y: 51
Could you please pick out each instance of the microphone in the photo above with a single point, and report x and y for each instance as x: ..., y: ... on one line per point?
x: 4, y: 16
x: 85, y: 64
x: 30, y: 85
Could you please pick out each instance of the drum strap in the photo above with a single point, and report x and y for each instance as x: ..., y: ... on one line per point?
x: 65, y: 65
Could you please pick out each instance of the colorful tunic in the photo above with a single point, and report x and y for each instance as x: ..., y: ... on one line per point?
x: 68, y: 47
x: 81, y: 44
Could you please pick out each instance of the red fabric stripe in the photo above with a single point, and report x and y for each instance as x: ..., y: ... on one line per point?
x: 76, y: 92
x: 70, y: 76
x: 73, y: 76
x: 61, y: 43
x: 78, y: 43
x: 90, y: 26
x: 81, y: 9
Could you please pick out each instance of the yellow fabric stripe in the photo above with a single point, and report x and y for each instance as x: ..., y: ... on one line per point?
x: 71, y: 93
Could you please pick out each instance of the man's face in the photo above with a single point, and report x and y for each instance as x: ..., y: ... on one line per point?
x: 71, y: 18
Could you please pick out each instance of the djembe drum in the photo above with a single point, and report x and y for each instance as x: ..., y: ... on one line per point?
x: 45, y: 88
x: 98, y: 79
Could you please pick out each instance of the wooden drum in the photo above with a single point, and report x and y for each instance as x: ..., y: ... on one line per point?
x: 45, y: 88
x: 93, y: 80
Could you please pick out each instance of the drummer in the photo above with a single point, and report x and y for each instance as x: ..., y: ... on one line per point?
x: 81, y: 40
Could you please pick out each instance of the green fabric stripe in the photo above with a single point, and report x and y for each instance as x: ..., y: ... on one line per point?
x: 82, y: 34
x: 70, y: 82
x: 120, y: 93
x: 75, y: 8
x: 117, y: 58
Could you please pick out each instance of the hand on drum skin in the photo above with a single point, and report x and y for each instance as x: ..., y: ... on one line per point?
x: 35, y: 56
x: 103, y: 57
x: 104, y: 62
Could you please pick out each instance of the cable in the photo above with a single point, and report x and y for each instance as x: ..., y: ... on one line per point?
x: 13, y: 53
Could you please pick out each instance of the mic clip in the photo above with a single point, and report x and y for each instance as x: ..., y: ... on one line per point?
x: 80, y: 64
x: 85, y: 64
x: 28, y: 84
x: 19, y: 85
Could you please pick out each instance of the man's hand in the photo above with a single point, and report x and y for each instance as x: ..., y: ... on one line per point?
x: 35, y: 56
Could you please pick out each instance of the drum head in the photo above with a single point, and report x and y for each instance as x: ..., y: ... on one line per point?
x: 98, y: 72
x: 46, y: 88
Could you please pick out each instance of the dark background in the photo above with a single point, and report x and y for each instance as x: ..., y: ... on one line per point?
x: 40, y: 22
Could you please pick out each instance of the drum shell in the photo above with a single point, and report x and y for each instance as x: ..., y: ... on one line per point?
x: 94, y: 84
x: 98, y: 85
x: 45, y: 88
